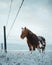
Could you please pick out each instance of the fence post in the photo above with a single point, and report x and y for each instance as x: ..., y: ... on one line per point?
x: 5, y: 46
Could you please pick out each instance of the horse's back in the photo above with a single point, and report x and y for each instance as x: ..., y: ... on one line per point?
x: 41, y: 38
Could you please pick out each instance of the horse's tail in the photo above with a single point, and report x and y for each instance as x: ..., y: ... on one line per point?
x: 44, y: 41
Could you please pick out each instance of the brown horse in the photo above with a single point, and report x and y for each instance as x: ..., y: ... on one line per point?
x: 32, y: 39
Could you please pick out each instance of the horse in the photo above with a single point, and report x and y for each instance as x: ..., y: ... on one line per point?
x: 33, y: 40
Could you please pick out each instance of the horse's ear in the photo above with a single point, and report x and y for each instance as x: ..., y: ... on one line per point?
x: 25, y: 27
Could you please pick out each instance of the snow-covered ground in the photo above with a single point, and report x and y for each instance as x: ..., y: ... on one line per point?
x: 25, y: 58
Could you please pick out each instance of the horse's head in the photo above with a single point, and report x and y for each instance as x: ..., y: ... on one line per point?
x: 24, y: 33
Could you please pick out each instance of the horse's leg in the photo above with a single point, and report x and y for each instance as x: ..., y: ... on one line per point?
x: 33, y: 47
x: 29, y: 45
x: 43, y: 49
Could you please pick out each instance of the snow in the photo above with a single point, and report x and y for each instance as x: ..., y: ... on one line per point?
x: 25, y: 58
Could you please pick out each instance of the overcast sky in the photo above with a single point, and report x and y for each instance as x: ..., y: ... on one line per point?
x: 34, y: 14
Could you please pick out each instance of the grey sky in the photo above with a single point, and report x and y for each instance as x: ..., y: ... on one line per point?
x: 34, y: 14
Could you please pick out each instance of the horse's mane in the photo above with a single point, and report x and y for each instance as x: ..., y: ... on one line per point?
x: 30, y: 31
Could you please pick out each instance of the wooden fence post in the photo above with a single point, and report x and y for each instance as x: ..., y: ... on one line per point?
x: 5, y: 46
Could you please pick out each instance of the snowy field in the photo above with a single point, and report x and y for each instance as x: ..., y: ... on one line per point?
x: 25, y: 58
